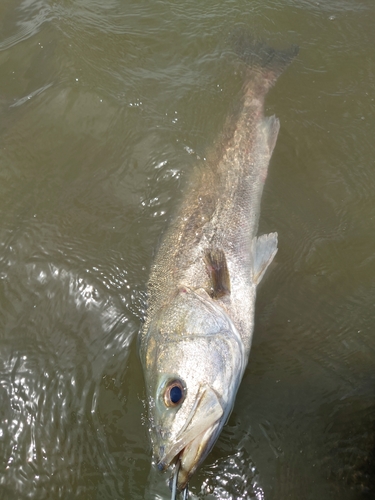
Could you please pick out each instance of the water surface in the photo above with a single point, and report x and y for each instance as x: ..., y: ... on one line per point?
x: 104, y: 108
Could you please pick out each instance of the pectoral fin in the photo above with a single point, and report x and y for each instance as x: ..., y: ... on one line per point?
x: 217, y: 268
x: 264, y: 250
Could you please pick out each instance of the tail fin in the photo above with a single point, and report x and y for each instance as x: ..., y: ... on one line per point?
x: 260, y: 58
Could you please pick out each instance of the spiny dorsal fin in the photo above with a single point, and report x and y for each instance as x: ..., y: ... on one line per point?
x: 264, y: 250
x: 217, y: 268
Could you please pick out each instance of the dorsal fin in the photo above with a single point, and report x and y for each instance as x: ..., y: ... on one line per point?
x: 217, y: 269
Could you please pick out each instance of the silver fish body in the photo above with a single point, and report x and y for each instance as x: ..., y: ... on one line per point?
x: 196, y: 339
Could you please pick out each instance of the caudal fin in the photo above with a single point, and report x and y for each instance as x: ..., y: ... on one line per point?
x: 260, y: 58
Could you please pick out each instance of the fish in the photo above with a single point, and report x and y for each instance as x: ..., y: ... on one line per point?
x: 196, y: 338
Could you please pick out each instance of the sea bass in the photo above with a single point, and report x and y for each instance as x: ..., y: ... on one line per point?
x: 196, y: 339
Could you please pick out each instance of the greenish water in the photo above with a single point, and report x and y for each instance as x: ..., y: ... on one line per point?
x: 104, y: 107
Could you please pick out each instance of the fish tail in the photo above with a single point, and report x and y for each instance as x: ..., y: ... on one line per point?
x: 261, y: 59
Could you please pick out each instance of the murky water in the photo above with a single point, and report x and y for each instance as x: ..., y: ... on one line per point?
x: 103, y: 109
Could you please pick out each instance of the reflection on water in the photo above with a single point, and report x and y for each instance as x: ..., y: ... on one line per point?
x: 61, y: 332
x: 104, y: 108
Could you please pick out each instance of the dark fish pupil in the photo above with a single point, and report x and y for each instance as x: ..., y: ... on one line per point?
x: 175, y: 394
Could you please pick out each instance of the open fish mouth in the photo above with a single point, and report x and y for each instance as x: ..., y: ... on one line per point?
x: 186, y: 464
x: 189, y: 458
x: 194, y: 454
x: 195, y: 440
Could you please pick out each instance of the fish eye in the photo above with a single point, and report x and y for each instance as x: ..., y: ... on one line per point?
x: 174, y: 393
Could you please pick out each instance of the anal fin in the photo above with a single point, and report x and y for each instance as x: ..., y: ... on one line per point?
x: 216, y: 264
x: 264, y: 250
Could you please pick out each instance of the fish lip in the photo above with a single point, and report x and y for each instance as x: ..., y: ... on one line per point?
x: 208, y: 403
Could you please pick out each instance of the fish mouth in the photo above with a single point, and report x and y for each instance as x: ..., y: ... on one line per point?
x: 195, y: 440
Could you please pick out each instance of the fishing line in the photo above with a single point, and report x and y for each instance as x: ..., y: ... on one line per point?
x: 185, y: 491
x: 174, y: 480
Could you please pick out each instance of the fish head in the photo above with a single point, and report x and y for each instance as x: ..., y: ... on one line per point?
x: 194, y: 360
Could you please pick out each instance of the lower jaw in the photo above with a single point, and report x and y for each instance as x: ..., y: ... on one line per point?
x: 183, y: 479
x: 189, y: 460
